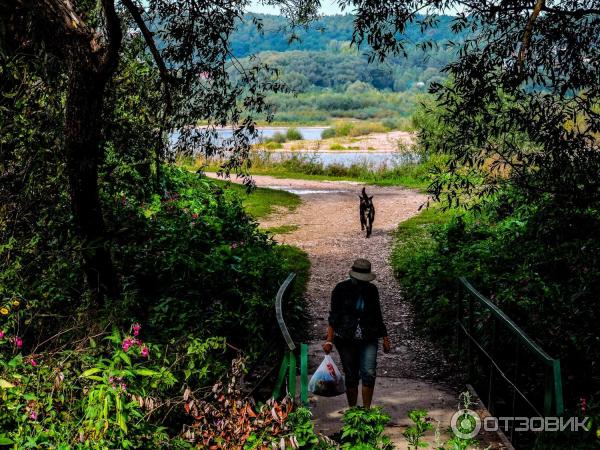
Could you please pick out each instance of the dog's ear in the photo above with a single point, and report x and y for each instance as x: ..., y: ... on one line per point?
x: 371, y: 197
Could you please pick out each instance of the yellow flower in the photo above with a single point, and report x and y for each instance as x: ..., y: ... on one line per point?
x: 4, y: 311
x: 16, y: 303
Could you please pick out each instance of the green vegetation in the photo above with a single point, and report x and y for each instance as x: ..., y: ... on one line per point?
x: 127, y: 285
x: 271, y: 145
x: 327, y: 32
x: 390, y: 110
x: 417, y: 430
x: 335, y: 65
x: 363, y: 429
x: 500, y: 251
x: 231, y: 268
x: 302, y: 166
x: 282, y: 229
x: 422, y: 424
x: 353, y: 129
x: 291, y: 134
x: 330, y: 79
x: 261, y: 202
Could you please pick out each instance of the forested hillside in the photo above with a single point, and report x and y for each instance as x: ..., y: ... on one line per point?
x: 275, y: 34
x: 320, y: 56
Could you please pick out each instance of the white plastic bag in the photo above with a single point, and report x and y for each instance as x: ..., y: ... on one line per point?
x: 327, y: 381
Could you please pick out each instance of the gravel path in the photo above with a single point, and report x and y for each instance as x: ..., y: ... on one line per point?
x: 414, y: 374
x: 329, y: 231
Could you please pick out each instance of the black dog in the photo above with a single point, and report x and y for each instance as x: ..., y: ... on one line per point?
x: 367, y: 212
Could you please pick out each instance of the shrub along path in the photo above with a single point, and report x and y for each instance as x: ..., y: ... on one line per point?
x: 326, y: 225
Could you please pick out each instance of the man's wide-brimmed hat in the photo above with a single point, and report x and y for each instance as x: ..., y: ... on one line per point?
x: 361, y: 270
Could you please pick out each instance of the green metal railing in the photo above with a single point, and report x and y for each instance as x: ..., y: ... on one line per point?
x: 466, y: 323
x: 287, y: 370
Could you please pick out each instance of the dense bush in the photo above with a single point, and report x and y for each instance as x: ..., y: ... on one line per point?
x: 324, y: 106
x: 194, y: 260
x: 194, y: 269
x: 538, y: 263
x: 293, y: 134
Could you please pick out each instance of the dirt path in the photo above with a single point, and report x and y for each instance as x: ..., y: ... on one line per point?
x: 411, y: 375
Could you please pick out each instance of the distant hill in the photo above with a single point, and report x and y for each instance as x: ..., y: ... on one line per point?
x: 321, y: 57
x: 331, y: 79
x: 275, y: 34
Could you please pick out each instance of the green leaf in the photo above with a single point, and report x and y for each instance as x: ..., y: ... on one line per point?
x: 89, y: 372
x: 146, y: 372
x: 125, y: 358
x: 95, y: 378
x: 6, y: 384
x: 5, y: 440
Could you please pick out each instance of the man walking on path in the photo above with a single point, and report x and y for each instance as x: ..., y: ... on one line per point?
x: 355, y: 327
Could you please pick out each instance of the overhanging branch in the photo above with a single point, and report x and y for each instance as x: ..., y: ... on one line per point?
x: 149, y: 39
x: 539, y: 5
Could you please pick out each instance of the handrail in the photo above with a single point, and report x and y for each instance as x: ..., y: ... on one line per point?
x: 288, y: 365
x: 279, y: 311
x: 508, y: 322
x: 553, y: 395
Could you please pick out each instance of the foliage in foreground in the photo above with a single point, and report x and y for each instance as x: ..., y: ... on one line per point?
x: 113, y: 390
x: 108, y: 390
x: 363, y: 429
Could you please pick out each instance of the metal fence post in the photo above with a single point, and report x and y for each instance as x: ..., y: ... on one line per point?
x: 304, y: 374
x: 558, y: 394
x: 470, y: 328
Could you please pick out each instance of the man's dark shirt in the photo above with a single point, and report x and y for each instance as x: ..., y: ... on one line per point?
x: 344, y: 317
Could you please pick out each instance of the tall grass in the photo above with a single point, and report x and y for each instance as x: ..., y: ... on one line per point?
x: 309, y: 166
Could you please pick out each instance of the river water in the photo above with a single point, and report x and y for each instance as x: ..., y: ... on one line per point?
x: 347, y: 158
x: 373, y: 158
x: 312, y: 133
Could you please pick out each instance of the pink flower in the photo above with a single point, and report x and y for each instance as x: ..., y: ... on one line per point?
x: 144, y: 351
x: 18, y: 342
x: 123, y: 386
x: 126, y: 344
x: 136, y: 327
x: 33, y: 362
x: 1, y: 334
x: 33, y: 415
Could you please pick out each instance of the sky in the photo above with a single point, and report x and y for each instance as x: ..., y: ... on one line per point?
x: 328, y: 7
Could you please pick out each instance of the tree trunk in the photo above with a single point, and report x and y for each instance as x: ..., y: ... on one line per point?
x: 85, y: 98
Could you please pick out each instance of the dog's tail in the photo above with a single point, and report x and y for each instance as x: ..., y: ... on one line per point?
x: 364, y: 193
